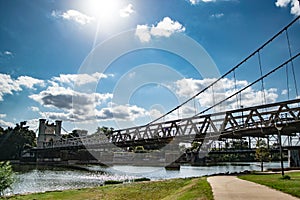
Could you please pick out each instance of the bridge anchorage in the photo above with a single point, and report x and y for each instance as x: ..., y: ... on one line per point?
x: 159, y: 141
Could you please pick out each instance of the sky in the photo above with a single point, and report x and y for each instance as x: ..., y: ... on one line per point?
x: 124, y: 63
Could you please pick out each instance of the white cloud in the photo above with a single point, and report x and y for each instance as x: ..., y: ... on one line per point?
x: 6, y: 124
x: 121, y: 112
x: 126, y: 11
x: 143, y: 32
x: 34, y: 109
x: 64, y: 98
x: 10, y: 85
x: 164, y: 28
x: 73, y: 15
x: 188, y: 87
x: 6, y: 53
x: 80, y: 79
x: 9, y: 53
x: 76, y: 106
x: 80, y: 106
x: 282, y: 3
x: 154, y: 113
x: 295, y: 9
x: 71, y: 105
x: 33, y: 124
x: 29, y: 82
x: 217, y: 15
x: 223, y: 89
x: 58, y: 116
x: 284, y: 92
x: 194, y: 2
x: 167, y: 27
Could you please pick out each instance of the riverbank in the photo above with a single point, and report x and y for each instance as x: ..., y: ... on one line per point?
x: 180, y: 188
x: 185, y: 188
x: 37, y: 179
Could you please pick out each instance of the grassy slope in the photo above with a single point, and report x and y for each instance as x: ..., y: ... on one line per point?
x: 273, y: 180
x: 197, y: 188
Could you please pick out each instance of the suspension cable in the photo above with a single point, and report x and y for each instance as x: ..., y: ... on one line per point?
x: 228, y: 72
x: 195, y: 106
x: 213, y: 95
x: 249, y: 85
x: 287, y: 80
x: 293, y: 69
x: 262, y: 80
x: 64, y: 129
x: 235, y: 89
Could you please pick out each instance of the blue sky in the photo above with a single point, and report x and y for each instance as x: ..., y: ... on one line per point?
x: 46, y: 45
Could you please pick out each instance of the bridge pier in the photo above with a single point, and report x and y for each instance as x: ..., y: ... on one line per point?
x: 294, y: 156
x: 172, y: 154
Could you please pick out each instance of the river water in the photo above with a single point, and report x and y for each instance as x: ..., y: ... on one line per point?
x: 31, y: 179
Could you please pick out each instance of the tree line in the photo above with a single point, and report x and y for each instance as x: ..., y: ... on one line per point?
x: 13, y: 141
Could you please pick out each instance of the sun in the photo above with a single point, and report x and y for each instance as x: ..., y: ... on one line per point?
x: 103, y: 9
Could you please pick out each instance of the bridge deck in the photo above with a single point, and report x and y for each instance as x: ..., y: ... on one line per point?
x: 256, y: 121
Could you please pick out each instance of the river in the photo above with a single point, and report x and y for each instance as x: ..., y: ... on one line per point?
x: 31, y: 179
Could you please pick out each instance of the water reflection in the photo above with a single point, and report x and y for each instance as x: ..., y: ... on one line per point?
x: 33, y: 179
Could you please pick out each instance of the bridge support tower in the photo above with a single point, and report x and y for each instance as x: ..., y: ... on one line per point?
x: 294, y: 156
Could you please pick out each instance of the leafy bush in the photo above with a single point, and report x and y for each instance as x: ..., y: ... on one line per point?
x: 140, y: 149
x: 141, y: 179
x: 285, y: 177
x: 6, y: 176
x: 110, y: 182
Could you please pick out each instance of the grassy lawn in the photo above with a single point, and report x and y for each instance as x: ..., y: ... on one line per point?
x: 273, y: 180
x: 196, y: 188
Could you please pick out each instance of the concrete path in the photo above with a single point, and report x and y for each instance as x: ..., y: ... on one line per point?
x: 231, y: 188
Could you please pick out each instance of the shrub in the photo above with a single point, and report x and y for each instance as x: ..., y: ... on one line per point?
x: 141, y: 179
x: 6, y: 176
x: 285, y: 177
x: 110, y: 182
x: 139, y: 149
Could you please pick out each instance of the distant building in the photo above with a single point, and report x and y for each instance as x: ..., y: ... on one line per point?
x: 48, y: 132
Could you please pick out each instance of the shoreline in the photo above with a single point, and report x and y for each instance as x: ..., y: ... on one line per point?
x: 132, y: 181
x: 117, y: 173
x: 126, y: 182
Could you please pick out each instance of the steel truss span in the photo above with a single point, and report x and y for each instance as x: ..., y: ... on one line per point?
x: 257, y: 121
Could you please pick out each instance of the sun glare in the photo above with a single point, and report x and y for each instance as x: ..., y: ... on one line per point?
x: 103, y: 9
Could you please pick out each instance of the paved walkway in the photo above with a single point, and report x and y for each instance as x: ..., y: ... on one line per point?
x: 231, y: 188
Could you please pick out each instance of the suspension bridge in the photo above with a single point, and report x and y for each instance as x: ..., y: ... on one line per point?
x: 228, y: 117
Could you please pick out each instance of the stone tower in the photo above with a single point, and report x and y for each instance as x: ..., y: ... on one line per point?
x: 48, y: 132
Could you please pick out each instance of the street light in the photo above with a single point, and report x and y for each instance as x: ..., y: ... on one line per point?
x: 279, y: 127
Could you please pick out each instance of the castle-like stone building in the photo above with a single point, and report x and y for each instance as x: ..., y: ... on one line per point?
x: 48, y: 132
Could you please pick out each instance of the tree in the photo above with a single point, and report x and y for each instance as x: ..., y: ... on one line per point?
x: 262, y: 153
x: 6, y: 176
x: 195, y: 146
x: 107, y: 131
x: 14, y: 140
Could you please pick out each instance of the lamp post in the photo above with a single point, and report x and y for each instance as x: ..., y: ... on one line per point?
x: 279, y: 128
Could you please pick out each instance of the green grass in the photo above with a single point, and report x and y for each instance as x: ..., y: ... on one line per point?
x: 275, y: 181
x: 190, y: 188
